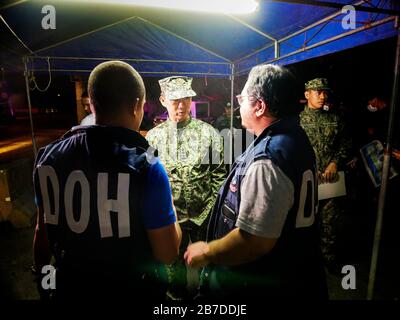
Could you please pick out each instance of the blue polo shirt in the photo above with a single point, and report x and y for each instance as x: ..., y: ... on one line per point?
x: 157, y: 210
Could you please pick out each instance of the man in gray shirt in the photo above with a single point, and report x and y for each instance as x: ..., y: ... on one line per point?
x: 263, y: 239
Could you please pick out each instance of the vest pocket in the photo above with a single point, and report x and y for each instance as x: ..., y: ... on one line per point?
x: 228, y: 212
x: 226, y: 221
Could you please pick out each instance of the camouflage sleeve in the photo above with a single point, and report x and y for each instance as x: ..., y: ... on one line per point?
x: 342, y: 145
x: 150, y: 137
x: 218, y: 168
x: 153, y: 141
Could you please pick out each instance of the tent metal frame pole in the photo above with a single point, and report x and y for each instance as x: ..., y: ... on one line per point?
x: 343, y: 35
x: 317, y: 23
x: 265, y: 35
x: 129, y: 59
x: 231, y: 140
x: 340, y: 5
x: 143, y: 20
x: 244, y: 23
x: 277, y: 50
x: 28, y: 96
x: 142, y: 72
x: 385, y: 171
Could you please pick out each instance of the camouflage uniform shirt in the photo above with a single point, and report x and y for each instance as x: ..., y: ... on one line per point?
x: 192, y: 153
x: 325, y: 130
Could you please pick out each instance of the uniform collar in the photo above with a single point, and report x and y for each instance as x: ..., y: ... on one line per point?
x: 179, y: 125
x: 310, y: 110
x: 281, y: 125
x: 126, y: 135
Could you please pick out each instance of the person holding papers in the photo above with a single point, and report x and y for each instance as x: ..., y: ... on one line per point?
x: 326, y: 133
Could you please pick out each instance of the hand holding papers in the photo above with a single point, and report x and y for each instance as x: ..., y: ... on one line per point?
x: 334, y: 189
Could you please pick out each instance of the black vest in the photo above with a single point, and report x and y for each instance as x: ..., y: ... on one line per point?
x: 294, y: 265
x: 99, y: 174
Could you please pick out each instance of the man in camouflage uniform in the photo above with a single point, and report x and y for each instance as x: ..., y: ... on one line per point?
x: 192, y: 152
x: 326, y: 132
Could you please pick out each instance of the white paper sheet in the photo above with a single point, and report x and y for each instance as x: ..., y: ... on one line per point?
x: 332, y: 190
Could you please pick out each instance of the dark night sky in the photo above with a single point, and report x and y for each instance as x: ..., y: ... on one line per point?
x: 355, y: 74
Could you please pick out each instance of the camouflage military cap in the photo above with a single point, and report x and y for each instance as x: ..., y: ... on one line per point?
x: 176, y: 87
x: 317, y: 84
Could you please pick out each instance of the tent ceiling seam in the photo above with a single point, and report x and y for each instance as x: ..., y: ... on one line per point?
x: 85, y: 34
x: 12, y: 4
x: 244, y: 23
x: 184, y: 39
x: 15, y: 35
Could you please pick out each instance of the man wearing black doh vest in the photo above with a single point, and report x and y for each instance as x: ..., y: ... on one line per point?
x: 263, y: 238
x: 95, y: 190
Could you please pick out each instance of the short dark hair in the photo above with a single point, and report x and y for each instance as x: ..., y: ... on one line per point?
x: 276, y: 86
x: 113, y: 85
x: 84, y: 94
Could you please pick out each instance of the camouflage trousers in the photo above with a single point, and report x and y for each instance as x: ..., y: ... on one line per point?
x: 177, y: 272
x: 331, y: 212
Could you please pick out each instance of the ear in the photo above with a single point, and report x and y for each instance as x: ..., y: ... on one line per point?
x: 307, y: 94
x: 133, y: 109
x: 91, y: 107
x: 162, y: 100
x: 261, y: 108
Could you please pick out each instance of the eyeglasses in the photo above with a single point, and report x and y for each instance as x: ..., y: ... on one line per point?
x: 240, y: 98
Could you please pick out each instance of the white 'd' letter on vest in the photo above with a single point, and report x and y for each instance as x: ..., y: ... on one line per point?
x: 47, y: 172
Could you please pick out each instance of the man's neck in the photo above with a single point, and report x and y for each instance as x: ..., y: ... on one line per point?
x: 116, y: 122
x: 265, y: 122
x: 313, y: 108
x: 180, y: 124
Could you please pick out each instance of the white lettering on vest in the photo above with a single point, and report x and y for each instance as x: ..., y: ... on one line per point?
x: 104, y: 205
x: 45, y: 173
x: 120, y: 205
x: 75, y: 177
x: 307, y: 186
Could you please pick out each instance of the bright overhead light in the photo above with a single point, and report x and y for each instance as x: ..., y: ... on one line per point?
x: 212, y: 6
